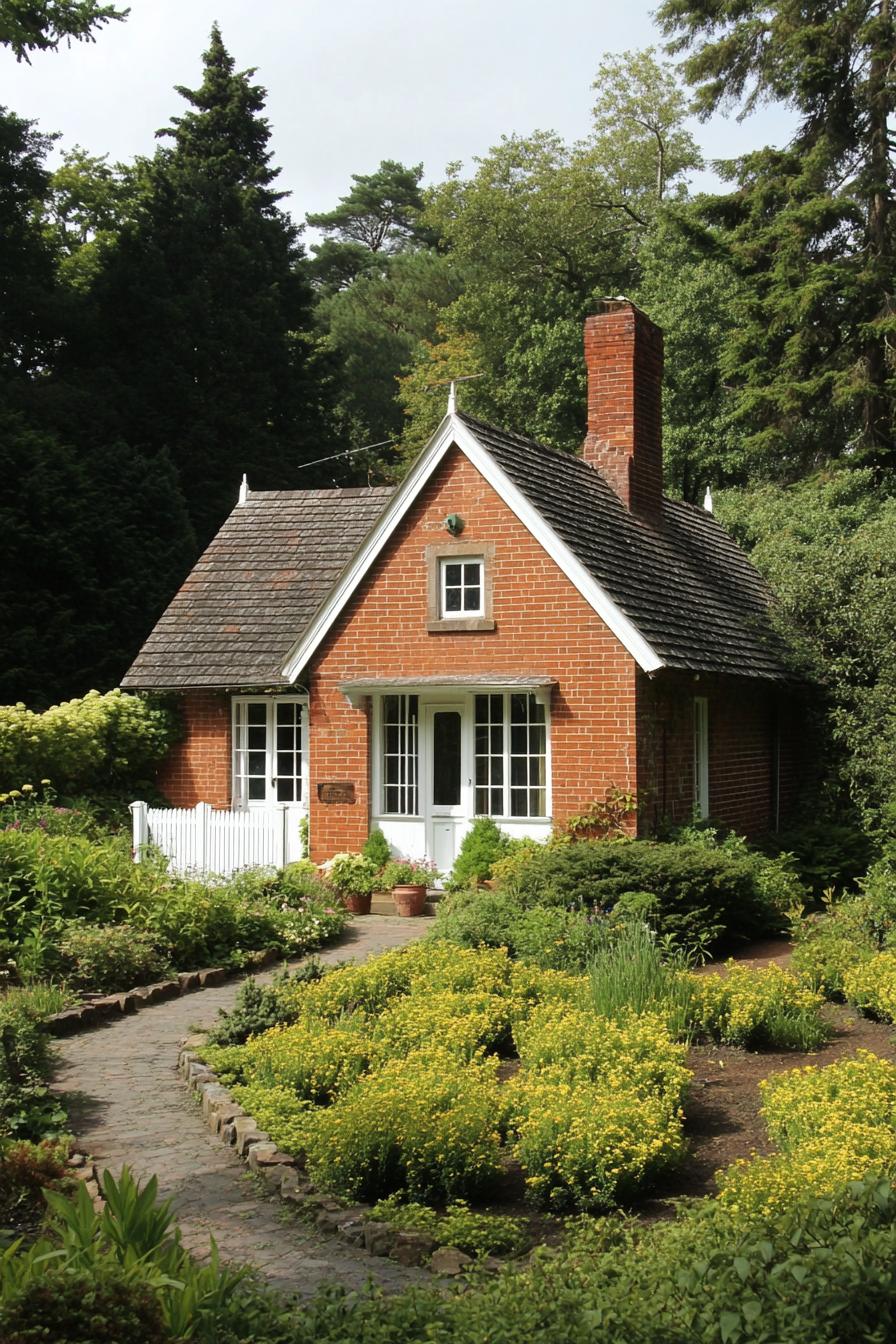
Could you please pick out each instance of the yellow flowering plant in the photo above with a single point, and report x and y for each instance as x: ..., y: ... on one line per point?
x: 871, y: 986
x: 757, y: 1008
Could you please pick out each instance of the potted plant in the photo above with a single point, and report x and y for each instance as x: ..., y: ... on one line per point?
x: 354, y: 878
x: 409, y: 882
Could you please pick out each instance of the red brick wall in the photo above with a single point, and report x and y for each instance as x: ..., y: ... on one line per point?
x: 753, y: 751
x: 624, y: 359
x: 198, y: 768
x: 543, y: 626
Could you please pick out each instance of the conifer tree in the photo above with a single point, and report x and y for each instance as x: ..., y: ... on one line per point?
x: 812, y: 227
x: 203, y: 311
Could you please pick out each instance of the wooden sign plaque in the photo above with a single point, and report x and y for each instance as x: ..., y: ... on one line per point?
x: 339, y: 791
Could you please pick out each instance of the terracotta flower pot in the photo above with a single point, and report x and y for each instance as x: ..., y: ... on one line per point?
x: 410, y: 899
x: 357, y: 905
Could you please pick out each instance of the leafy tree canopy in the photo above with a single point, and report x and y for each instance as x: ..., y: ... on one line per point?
x: 43, y: 25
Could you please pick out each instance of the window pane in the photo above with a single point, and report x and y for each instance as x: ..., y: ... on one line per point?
x: 471, y: 599
x: 518, y: 741
x: 446, y: 758
x: 286, y: 738
x: 257, y: 789
x: 518, y: 708
x: 537, y: 805
x: 453, y: 575
x: 285, y: 791
x: 482, y: 802
x: 452, y: 599
x: 481, y: 770
x: 257, y: 763
x: 257, y: 738
x: 518, y: 803
x: 497, y: 802
x: 286, y: 763
x: 471, y: 574
x: 256, y: 712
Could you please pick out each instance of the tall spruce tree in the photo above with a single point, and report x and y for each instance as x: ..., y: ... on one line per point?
x: 812, y: 227
x: 202, y: 312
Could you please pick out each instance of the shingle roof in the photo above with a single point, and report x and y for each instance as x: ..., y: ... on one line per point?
x: 688, y: 588
x: 691, y: 593
x: 255, y: 588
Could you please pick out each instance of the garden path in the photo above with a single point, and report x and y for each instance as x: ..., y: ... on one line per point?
x: 129, y: 1107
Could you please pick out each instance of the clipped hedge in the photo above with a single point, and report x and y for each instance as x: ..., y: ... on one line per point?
x: 106, y: 741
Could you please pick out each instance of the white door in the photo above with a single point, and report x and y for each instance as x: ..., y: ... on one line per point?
x: 445, y: 780
x: 270, y: 759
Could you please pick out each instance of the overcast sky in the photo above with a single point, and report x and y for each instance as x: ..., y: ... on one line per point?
x: 351, y: 83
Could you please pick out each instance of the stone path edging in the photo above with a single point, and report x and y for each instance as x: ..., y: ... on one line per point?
x: 283, y: 1174
x: 128, y: 1107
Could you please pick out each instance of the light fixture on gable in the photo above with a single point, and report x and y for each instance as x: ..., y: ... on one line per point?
x: 454, y: 524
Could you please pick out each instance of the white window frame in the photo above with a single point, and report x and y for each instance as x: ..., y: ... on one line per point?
x: 701, y: 756
x: 379, y: 756
x: 270, y: 799
x: 507, y: 787
x: 467, y: 702
x: 464, y: 613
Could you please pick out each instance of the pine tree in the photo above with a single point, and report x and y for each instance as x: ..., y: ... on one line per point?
x: 202, y: 316
x: 812, y: 227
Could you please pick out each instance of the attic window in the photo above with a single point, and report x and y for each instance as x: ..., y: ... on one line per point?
x: 461, y: 587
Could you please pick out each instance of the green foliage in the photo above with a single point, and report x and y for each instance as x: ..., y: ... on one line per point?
x: 26, y: 1169
x: 112, y: 740
x: 258, y: 1007
x: 707, y: 894
x: 811, y: 227
x: 100, y: 1305
x: 108, y: 957
x: 403, y: 873
x: 376, y: 848
x: 630, y: 974
x: 353, y: 874
x: 27, y: 1108
x: 827, y: 546
x: 426, y: 1124
x: 44, y: 26
x: 759, y: 1009
x: 871, y: 986
x: 477, y: 1234
x: 480, y: 848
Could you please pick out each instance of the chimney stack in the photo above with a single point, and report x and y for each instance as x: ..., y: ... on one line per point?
x: 624, y: 359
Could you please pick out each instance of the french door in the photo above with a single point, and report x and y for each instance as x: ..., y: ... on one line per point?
x: 446, y: 782
x: 270, y: 751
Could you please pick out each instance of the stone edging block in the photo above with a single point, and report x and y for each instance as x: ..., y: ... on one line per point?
x: 284, y: 1174
x: 98, y: 1008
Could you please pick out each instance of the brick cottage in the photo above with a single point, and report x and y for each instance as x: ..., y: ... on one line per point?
x: 511, y: 631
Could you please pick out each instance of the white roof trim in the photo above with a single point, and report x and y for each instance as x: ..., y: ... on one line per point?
x: 452, y: 431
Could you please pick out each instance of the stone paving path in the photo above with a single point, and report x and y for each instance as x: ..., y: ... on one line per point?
x: 128, y: 1106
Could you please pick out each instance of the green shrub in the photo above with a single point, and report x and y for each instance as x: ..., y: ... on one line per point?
x: 546, y: 936
x: 477, y: 1234
x: 706, y: 895
x: 828, y: 852
x: 376, y: 848
x: 104, y: 1304
x: 480, y: 849
x: 110, y: 957
x: 427, y: 1124
x: 353, y: 874
x: 477, y: 918
x: 112, y: 740
x: 257, y: 1007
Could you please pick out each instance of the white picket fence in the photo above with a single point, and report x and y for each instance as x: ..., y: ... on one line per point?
x: 205, y: 840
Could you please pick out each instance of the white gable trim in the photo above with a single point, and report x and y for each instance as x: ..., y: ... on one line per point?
x: 453, y: 431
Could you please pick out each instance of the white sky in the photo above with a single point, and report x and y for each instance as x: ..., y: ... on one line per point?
x: 351, y: 83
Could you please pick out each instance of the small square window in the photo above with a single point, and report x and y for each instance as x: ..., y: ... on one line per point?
x: 461, y: 588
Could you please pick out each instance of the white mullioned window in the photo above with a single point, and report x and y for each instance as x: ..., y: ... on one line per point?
x: 511, y: 755
x: 461, y: 586
x: 400, y: 741
x: 701, y: 756
x: 269, y: 749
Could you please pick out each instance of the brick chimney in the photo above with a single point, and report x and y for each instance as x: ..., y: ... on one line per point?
x: 624, y: 359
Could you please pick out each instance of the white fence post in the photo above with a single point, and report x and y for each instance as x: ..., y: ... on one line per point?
x: 280, y: 836
x: 140, y: 829
x: 203, y: 811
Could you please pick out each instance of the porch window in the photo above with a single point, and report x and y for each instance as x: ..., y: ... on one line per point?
x: 701, y: 756
x: 400, y: 755
x: 511, y: 755
x: 267, y: 750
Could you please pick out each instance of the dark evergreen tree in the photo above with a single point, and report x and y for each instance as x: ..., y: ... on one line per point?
x: 200, y: 326
x: 811, y: 227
